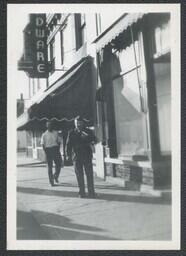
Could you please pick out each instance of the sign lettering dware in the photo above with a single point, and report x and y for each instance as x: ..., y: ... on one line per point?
x: 39, y: 45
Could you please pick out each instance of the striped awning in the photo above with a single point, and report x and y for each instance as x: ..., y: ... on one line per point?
x: 117, y: 28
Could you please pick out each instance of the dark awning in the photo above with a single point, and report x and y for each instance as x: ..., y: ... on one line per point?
x: 74, y: 70
x: 118, y: 27
x: 68, y: 97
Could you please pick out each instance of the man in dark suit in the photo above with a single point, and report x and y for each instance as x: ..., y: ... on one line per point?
x: 79, y: 147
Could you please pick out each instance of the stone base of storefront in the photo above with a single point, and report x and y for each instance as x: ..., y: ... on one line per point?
x: 148, y: 177
x: 131, y: 177
x: 162, y: 174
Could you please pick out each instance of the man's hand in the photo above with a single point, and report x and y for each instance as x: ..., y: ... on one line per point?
x: 68, y: 158
x: 84, y: 135
x: 44, y: 149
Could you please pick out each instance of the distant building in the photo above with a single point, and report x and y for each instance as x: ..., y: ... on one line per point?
x: 21, y: 135
x: 20, y: 105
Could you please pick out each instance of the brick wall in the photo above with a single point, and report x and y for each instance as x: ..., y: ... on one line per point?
x: 148, y: 176
x: 157, y: 177
x: 134, y: 174
x: 123, y: 171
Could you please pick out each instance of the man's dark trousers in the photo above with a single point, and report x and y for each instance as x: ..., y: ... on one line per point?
x: 53, y: 154
x: 79, y: 166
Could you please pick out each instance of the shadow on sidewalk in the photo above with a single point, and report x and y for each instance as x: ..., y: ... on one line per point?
x: 32, y: 165
x: 55, y: 227
x: 112, y: 187
x: 28, y: 228
x: 107, y: 197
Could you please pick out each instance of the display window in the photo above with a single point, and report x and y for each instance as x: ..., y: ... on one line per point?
x: 129, y: 87
x: 161, y: 58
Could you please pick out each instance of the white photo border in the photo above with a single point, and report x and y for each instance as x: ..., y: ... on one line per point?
x: 174, y: 244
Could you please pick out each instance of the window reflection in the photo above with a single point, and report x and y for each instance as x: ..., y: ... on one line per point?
x: 129, y: 86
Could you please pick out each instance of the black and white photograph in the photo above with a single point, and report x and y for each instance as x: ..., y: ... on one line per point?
x: 93, y: 126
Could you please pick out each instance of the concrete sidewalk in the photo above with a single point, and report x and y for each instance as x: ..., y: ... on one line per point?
x: 57, y: 213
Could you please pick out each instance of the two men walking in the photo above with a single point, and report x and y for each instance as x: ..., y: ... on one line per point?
x: 78, y: 148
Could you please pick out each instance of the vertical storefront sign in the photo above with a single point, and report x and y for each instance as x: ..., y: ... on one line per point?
x: 39, y: 45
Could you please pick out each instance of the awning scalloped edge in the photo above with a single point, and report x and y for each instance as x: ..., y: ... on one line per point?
x: 54, y: 119
x: 122, y: 26
x: 45, y: 119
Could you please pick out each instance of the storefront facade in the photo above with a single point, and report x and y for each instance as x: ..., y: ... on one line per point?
x: 119, y: 82
x: 134, y: 99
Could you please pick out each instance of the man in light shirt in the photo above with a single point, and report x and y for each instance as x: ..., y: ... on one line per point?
x: 50, y: 141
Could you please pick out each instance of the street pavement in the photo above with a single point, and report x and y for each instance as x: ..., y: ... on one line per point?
x: 57, y: 213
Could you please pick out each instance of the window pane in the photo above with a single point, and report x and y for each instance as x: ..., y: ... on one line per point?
x: 130, y: 99
x: 127, y: 57
x: 161, y: 39
x: 38, y: 84
x: 130, y: 121
x: 163, y: 92
x: 33, y: 86
x: 52, y: 50
x: 52, y: 55
x: 131, y: 90
x: 62, y: 46
x: 82, y: 19
x: 83, y: 28
x: 78, y: 30
x: 166, y: 36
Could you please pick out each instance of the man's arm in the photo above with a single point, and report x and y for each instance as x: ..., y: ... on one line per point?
x: 42, y: 142
x: 69, y: 145
x: 59, y: 140
x: 44, y: 148
x: 89, y: 136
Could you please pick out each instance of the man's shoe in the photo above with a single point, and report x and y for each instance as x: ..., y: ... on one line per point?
x: 93, y: 196
x: 82, y: 196
x: 56, y: 179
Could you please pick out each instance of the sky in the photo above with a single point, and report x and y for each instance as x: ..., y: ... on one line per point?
x: 15, y: 49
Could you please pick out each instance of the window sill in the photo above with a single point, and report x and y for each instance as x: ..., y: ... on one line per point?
x: 162, y: 56
x: 128, y: 161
